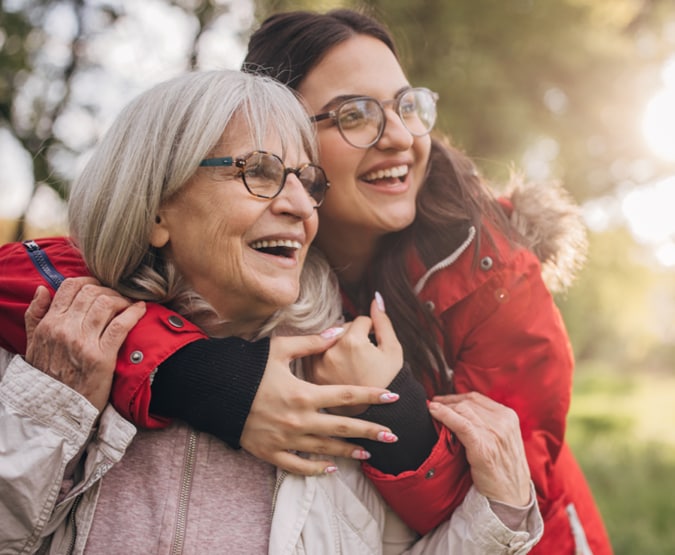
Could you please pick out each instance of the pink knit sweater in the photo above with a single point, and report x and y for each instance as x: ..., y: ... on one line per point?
x: 178, y: 491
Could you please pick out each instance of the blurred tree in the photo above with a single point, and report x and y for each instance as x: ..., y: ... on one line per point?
x: 610, y: 312
x: 45, y: 52
x: 553, y: 86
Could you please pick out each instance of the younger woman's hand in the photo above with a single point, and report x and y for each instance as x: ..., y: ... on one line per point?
x: 356, y: 360
x: 288, y: 414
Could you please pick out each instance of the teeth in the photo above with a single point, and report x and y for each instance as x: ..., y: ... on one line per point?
x: 277, y: 243
x: 398, y: 171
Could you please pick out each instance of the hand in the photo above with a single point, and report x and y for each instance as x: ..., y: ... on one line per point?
x: 286, y: 413
x: 490, y: 433
x: 75, y: 337
x: 354, y: 359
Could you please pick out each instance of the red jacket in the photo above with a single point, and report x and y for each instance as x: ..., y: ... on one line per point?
x: 508, y: 341
x: 156, y: 336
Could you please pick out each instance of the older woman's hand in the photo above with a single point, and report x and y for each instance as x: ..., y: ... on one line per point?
x: 490, y: 433
x: 75, y: 336
x: 287, y: 413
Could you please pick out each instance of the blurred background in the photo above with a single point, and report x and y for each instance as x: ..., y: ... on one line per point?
x: 581, y: 91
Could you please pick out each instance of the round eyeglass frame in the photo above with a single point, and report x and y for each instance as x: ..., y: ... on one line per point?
x: 334, y: 115
x: 241, y: 161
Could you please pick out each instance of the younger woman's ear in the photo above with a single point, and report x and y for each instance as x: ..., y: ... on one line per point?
x: 159, y: 235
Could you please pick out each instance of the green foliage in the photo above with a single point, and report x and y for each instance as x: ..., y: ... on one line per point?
x: 612, y: 311
x: 629, y: 464
x: 14, y: 59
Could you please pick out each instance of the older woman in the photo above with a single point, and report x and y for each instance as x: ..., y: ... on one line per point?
x: 202, y: 196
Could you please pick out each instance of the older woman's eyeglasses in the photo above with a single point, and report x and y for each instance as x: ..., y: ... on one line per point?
x: 264, y: 175
x: 361, y: 119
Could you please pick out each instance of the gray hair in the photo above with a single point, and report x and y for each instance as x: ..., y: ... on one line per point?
x: 150, y: 152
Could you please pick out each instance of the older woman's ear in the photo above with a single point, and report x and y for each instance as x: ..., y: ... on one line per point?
x: 159, y: 235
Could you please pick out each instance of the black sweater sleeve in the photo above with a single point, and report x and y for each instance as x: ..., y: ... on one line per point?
x: 409, y: 419
x: 211, y: 384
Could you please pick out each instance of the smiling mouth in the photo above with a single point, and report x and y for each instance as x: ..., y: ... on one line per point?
x: 397, y: 173
x: 281, y: 247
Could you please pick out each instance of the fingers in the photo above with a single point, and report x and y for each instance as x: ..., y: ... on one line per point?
x: 119, y: 327
x: 296, y: 464
x: 294, y: 347
x: 326, y: 446
x: 457, y: 423
x: 322, y: 447
x: 384, y: 330
x: 330, y: 425
x: 37, y: 310
x: 68, y: 291
x: 327, y: 396
x: 474, y: 398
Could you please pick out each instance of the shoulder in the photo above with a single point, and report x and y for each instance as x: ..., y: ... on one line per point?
x: 479, y: 262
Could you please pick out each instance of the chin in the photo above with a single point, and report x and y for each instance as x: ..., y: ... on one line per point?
x: 398, y: 222
x: 278, y: 299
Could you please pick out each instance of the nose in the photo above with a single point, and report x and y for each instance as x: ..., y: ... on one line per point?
x: 395, y: 135
x: 294, y: 199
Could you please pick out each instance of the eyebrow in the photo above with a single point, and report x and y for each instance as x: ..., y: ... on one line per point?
x: 333, y: 102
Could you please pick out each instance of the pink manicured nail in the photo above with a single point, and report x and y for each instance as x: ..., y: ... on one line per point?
x: 330, y: 470
x: 360, y: 454
x: 379, y: 301
x: 330, y: 333
x: 387, y: 437
x: 388, y: 397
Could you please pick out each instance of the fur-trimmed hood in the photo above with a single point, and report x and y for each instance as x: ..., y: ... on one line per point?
x: 550, y: 222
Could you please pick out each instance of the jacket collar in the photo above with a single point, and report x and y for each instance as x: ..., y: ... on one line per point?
x: 449, y: 260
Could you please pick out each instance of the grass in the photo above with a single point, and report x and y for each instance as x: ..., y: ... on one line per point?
x: 622, y: 430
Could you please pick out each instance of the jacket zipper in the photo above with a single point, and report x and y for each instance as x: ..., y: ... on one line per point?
x: 184, y: 497
x: 72, y: 519
x: 277, y: 485
x: 43, y: 264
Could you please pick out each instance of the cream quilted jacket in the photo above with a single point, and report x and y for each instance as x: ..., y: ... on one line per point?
x: 44, y: 425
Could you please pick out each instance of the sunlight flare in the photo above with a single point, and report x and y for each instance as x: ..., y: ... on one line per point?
x: 659, y: 121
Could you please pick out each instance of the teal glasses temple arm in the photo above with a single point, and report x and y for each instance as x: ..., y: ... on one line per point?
x: 227, y: 161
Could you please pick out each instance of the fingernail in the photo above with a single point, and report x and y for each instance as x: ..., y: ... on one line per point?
x: 360, y: 454
x: 387, y: 437
x: 330, y: 470
x: 434, y: 406
x: 330, y: 333
x: 389, y: 396
x: 379, y: 301
x: 37, y: 290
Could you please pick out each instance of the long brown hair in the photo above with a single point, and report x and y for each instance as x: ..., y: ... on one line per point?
x: 453, y: 199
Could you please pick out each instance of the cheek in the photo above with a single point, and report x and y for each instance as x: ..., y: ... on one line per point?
x: 423, y: 150
x: 312, y: 226
x: 337, y: 158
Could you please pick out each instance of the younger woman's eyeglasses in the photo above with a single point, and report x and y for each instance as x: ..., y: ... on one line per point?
x: 264, y: 174
x: 361, y: 119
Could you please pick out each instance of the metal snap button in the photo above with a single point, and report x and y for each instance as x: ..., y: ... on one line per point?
x: 176, y: 322
x: 486, y: 263
x: 136, y: 357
